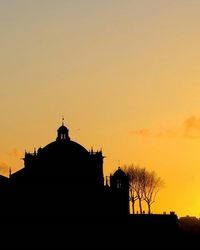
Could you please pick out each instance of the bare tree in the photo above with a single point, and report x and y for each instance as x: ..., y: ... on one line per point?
x: 131, y: 172
x: 140, y: 185
x: 136, y: 184
x: 152, y: 186
x: 143, y: 186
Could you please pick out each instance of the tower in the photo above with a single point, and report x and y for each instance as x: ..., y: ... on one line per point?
x: 119, y: 185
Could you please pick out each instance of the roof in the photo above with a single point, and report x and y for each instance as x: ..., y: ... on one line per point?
x: 63, y: 129
x: 65, y: 147
x: 119, y: 174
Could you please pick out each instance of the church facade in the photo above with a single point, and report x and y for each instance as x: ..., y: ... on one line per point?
x: 65, y: 179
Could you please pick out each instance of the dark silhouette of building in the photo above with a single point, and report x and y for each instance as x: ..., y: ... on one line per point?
x: 61, y: 191
x: 65, y: 179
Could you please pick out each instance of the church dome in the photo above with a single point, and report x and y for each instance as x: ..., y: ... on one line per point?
x: 65, y: 156
x: 65, y: 147
x: 64, y: 152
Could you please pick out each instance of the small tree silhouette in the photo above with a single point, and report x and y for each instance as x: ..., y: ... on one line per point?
x: 136, y: 177
x: 143, y: 186
x: 151, y: 188
x: 140, y: 185
x: 131, y: 172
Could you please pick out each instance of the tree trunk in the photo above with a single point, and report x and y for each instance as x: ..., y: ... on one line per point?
x: 140, y: 205
x: 149, y: 208
x: 133, y: 206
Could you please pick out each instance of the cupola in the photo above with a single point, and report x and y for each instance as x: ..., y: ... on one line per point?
x: 63, y: 132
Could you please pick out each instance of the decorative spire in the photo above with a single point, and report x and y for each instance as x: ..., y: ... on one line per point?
x: 63, y: 120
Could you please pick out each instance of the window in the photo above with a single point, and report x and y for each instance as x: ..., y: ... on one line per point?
x: 119, y: 184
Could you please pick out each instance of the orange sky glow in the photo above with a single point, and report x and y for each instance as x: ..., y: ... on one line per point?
x: 126, y: 77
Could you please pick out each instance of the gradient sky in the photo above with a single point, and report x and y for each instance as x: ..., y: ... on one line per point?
x: 126, y: 76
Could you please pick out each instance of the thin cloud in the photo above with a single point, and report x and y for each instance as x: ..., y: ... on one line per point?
x: 192, y: 127
x: 162, y: 133
x: 189, y: 128
x: 142, y: 132
x: 167, y: 133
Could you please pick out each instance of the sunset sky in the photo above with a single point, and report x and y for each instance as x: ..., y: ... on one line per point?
x: 125, y: 75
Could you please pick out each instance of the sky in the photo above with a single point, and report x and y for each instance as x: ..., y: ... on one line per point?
x: 126, y: 77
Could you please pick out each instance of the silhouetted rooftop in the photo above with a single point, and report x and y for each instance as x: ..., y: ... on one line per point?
x: 119, y: 173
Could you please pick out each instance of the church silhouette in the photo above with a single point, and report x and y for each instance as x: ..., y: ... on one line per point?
x: 61, y: 192
x: 66, y: 180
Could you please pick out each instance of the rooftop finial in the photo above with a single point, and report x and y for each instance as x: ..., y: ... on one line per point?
x: 63, y: 120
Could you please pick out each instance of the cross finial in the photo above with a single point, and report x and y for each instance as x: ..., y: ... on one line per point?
x: 63, y: 120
